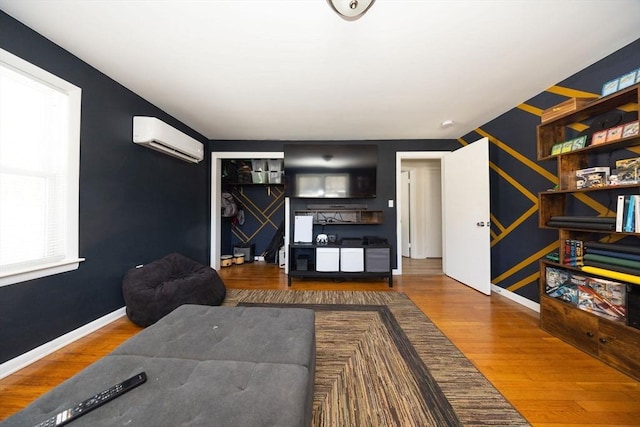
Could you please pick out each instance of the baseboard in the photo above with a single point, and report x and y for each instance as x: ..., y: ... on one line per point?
x: 517, y: 298
x: 17, y: 363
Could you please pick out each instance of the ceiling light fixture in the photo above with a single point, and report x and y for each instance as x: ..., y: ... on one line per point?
x: 351, y: 9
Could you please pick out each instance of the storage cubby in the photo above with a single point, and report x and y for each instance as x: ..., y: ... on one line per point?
x: 340, y: 261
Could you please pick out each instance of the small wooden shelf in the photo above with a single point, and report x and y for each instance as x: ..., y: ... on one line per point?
x: 553, y: 131
x: 343, y: 216
x: 587, y: 190
x: 600, y: 148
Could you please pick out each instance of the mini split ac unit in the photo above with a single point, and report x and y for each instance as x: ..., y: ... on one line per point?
x: 155, y: 134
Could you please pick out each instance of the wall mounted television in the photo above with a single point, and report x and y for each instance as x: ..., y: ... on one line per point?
x: 330, y: 171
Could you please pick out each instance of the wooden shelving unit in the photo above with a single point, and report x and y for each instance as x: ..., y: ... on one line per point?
x: 611, y: 341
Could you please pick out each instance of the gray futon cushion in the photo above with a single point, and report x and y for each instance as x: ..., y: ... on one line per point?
x: 206, y: 366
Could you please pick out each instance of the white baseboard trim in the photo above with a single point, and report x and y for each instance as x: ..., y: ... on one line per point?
x: 17, y: 363
x: 517, y: 298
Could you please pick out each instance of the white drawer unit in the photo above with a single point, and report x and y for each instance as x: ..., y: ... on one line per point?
x: 352, y: 259
x: 327, y: 259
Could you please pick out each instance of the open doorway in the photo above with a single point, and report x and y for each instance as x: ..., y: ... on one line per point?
x: 419, y: 210
x: 216, y: 197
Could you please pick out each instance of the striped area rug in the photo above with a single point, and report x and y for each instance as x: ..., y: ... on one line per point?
x: 382, y: 362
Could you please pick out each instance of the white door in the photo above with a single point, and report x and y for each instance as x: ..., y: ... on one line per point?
x: 465, y: 187
x: 405, y: 215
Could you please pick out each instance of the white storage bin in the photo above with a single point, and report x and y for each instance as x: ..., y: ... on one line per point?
x: 352, y: 259
x: 275, y: 164
x: 258, y: 165
x: 327, y: 259
x: 275, y: 177
x: 259, y: 177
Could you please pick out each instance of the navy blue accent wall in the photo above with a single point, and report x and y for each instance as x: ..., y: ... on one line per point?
x: 516, y: 176
x: 136, y: 204
x: 386, y: 184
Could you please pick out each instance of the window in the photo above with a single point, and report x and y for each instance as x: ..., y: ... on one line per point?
x: 39, y: 164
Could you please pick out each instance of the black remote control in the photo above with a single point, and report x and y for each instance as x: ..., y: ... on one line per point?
x: 93, y: 402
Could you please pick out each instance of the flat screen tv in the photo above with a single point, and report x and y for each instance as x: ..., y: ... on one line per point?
x: 330, y: 171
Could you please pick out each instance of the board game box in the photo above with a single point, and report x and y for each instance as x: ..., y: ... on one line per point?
x: 592, y: 177
x: 559, y: 285
x: 603, y: 297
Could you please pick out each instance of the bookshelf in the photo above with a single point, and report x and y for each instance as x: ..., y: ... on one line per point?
x: 566, y: 290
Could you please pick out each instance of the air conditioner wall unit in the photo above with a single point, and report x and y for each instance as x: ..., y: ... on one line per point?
x: 153, y: 133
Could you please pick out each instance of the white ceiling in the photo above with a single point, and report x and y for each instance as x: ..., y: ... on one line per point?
x: 295, y: 70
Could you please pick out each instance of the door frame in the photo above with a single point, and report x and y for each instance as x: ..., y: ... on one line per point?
x: 216, y: 193
x: 409, y: 155
x: 407, y: 214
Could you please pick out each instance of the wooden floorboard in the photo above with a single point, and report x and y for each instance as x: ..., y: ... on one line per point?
x: 550, y: 382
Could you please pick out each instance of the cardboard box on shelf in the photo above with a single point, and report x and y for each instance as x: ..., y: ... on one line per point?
x: 565, y: 107
x: 599, y: 137
x: 592, y: 177
x: 631, y: 129
x: 628, y: 170
x: 614, y: 134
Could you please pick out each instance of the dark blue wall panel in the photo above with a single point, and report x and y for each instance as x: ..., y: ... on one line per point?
x: 136, y: 205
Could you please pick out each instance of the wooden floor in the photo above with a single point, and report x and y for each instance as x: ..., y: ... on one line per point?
x: 548, y: 381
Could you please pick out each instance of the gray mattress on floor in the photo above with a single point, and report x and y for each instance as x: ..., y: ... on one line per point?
x: 206, y: 366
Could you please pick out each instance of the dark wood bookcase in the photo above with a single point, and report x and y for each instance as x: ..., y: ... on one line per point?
x: 613, y: 342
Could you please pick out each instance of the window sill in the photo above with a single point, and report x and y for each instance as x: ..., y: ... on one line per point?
x: 40, y: 271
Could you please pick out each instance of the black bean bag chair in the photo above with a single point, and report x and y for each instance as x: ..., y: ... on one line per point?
x: 156, y: 289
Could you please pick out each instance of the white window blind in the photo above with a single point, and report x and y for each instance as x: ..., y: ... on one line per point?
x: 39, y: 156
